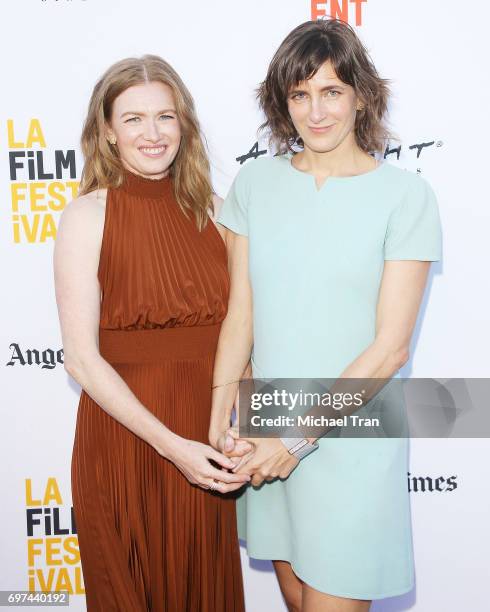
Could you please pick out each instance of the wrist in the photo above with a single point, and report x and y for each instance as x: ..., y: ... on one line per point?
x: 299, y: 447
x: 168, y: 444
x: 213, y: 438
x: 216, y: 431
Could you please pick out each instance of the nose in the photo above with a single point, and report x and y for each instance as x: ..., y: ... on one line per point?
x: 151, y: 130
x: 317, y: 109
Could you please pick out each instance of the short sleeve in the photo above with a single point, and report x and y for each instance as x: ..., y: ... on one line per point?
x: 414, y: 227
x: 234, y: 212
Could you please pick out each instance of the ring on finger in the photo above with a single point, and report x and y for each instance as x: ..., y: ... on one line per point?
x: 214, y: 485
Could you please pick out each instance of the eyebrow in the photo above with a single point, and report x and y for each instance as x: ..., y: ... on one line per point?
x: 160, y: 112
x: 327, y: 88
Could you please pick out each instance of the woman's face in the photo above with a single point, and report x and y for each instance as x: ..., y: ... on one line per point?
x: 323, y: 111
x: 146, y: 128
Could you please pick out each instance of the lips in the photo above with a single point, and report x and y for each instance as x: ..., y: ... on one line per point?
x: 153, y: 151
x: 321, y: 130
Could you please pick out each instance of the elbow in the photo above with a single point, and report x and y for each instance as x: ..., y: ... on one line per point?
x: 393, y: 352
x: 239, y: 322
x: 72, y: 367
x: 398, y: 358
x: 77, y: 365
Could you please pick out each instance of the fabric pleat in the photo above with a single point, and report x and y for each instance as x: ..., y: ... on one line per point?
x: 149, y: 540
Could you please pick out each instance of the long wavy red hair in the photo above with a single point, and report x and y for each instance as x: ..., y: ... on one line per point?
x: 103, y: 167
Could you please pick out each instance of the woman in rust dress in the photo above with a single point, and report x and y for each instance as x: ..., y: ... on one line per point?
x: 142, y: 286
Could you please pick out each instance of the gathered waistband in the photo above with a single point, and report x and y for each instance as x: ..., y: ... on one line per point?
x: 160, y: 344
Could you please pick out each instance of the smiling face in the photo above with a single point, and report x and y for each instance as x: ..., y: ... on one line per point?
x: 323, y: 111
x: 146, y: 128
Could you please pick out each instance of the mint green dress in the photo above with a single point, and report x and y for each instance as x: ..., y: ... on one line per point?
x: 342, y: 518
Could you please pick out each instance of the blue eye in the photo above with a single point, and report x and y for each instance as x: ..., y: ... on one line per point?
x: 333, y: 91
x: 133, y: 119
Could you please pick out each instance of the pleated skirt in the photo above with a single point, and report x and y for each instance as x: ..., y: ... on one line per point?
x: 149, y: 540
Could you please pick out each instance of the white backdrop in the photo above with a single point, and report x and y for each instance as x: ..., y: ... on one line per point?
x: 53, y: 51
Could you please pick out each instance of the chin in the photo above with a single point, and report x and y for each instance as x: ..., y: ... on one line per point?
x: 155, y: 166
x: 320, y: 147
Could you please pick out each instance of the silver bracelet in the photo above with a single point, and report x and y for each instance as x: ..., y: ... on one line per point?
x: 299, y: 447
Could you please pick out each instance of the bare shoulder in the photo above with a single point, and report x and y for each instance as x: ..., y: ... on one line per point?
x: 218, y: 203
x: 82, y: 220
x: 91, y: 203
x: 87, y: 209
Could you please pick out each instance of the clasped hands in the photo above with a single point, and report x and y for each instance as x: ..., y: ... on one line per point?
x: 261, y: 458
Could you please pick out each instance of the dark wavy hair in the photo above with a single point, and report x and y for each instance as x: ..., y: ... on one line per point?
x: 299, y: 57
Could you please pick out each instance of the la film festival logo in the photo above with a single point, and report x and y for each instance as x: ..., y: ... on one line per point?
x: 53, y: 556
x: 42, y: 182
x: 349, y: 11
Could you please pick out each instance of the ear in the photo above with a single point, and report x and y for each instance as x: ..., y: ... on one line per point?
x: 109, y: 134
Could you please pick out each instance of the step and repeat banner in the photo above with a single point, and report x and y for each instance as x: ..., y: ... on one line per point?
x: 52, y: 53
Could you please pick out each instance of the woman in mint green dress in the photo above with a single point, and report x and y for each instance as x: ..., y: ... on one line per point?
x: 329, y: 252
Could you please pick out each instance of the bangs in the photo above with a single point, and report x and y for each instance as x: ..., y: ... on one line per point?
x: 299, y: 57
x: 305, y: 61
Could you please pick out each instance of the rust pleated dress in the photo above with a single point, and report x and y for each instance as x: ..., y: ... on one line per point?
x: 149, y: 540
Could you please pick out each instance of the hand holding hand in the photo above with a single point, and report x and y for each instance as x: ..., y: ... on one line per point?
x: 230, y: 444
x: 268, y: 460
x: 193, y: 460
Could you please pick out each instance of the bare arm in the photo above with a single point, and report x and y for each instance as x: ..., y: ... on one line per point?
x: 236, y: 337
x: 401, y: 291
x: 218, y: 203
x: 76, y: 260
